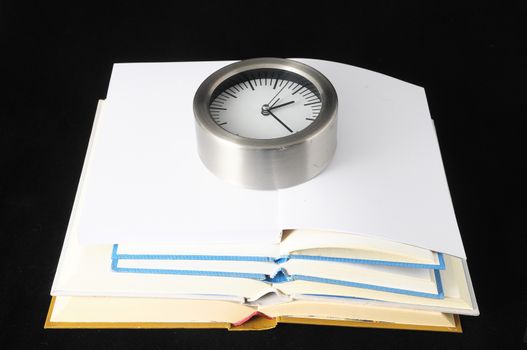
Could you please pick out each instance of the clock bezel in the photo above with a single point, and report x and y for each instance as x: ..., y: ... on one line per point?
x: 325, y: 118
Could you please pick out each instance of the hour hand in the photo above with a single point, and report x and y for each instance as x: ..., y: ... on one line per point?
x: 281, y: 105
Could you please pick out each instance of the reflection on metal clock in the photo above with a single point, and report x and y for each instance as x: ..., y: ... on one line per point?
x: 266, y: 123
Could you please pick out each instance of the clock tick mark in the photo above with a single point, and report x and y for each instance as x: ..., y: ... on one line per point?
x: 228, y: 93
x: 298, y: 90
x: 311, y: 103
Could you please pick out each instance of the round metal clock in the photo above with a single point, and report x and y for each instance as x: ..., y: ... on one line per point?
x: 266, y: 123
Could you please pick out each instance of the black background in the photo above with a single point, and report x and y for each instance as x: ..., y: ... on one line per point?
x: 57, y: 61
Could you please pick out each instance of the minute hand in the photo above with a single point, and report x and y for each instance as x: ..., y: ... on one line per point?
x: 283, y: 104
x: 281, y: 122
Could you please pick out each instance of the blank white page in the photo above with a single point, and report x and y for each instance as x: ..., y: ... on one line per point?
x: 144, y: 180
x: 387, y: 178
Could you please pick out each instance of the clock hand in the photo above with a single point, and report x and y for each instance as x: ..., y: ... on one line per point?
x: 283, y: 104
x: 281, y: 122
x: 278, y: 93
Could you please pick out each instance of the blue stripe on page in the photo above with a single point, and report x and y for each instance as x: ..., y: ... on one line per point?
x: 439, y: 283
x: 283, y: 259
x: 256, y: 276
x: 281, y: 277
x: 440, y: 266
x: 439, y: 295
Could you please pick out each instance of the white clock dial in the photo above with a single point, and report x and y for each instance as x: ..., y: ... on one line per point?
x: 265, y: 104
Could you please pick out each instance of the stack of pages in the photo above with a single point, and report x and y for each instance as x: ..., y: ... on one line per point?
x: 156, y: 241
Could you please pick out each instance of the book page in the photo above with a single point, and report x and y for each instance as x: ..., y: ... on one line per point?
x: 144, y: 181
x: 387, y: 178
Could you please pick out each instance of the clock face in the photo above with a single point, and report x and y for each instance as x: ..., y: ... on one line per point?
x: 265, y: 104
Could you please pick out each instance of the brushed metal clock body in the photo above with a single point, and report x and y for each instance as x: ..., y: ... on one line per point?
x: 251, y: 141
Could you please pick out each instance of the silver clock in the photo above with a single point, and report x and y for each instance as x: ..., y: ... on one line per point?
x: 266, y: 123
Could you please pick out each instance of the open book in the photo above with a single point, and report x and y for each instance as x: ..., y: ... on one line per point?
x: 376, y: 230
x: 317, y: 256
x: 88, y: 294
